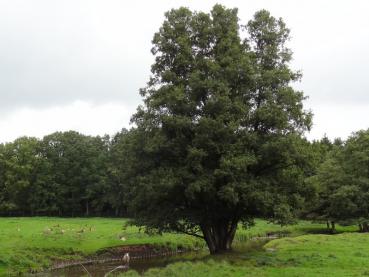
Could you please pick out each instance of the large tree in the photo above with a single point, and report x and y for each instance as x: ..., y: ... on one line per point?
x: 218, y: 139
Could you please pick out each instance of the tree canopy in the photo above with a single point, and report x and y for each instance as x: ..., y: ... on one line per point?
x: 219, y: 135
x: 65, y: 173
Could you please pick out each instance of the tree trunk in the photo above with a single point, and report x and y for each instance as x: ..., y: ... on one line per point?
x: 361, y: 229
x: 87, y: 208
x: 365, y: 227
x: 219, y: 237
x: 333, y: 227
x: 328, y: 225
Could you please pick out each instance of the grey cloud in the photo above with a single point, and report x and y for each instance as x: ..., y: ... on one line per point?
x: 56, y: 52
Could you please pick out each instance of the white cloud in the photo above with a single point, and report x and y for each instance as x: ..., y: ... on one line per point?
x: 339, y: 120
x: 84, y: 117
x: 54, y: 53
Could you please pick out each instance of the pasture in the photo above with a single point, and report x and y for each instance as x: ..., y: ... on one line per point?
x: 31, y: 244
x: 345, y: 254
x: 34, y: 244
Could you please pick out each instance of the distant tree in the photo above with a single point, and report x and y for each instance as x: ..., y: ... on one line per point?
x: 343, y: 183
x: 22, y: 169
x: 122, y: 164
x: 78, y: 170
x: 65, y: 173
x: 95, y: 176
x: 2, y: 178
x: 218, y: 140
x: 319, y: 151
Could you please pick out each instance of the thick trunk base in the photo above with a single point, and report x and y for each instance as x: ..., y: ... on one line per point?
x: 219, y: 237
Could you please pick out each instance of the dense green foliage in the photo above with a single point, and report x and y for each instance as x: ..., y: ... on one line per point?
x: 219, y: 135
x: 342, y: 183
x: 62, y: 174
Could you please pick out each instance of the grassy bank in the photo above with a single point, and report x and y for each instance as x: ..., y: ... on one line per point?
x: 35, y: 243
x: 345, y: 254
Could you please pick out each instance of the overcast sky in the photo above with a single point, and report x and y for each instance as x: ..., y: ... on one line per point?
x: 78, y: 65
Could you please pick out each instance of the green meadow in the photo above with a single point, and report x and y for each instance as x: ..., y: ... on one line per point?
x: 33, y: 244
x: 345, y: 254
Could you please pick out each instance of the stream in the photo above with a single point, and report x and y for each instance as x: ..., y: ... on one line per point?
x: 140, y: 265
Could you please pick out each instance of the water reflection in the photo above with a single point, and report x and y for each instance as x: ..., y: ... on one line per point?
x: 140, y: 265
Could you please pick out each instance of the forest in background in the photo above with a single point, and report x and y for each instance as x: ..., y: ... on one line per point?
x: 70, y: 174
x: 63, y: 174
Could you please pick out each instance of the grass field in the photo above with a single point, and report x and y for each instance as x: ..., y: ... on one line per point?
x: 345, y: 254
x: 33, y: 243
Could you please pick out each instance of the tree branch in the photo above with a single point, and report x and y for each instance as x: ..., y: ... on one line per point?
x: 189, y: 233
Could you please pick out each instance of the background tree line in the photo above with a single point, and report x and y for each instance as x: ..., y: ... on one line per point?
x: 64, y: 174
x: 70, y: 174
